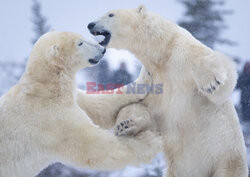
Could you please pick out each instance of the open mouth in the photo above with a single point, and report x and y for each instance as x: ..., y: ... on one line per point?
x: 106, y: 35
x: 96, y: 59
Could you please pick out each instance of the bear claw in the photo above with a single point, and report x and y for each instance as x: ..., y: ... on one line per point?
x: 212, y: 86
x: 124, y: 128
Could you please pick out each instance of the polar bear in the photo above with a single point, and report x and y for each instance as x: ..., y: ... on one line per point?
x: 40, y: 121
x: 202, y: 134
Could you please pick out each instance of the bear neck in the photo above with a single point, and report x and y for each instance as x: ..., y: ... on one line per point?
x: 153, y: 61
x: 49, y: 82
x: 153, y: 47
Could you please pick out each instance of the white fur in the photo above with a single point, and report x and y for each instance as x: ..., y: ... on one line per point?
x: 202, y: 135
x: 40, y: 121
x: 104, y: 108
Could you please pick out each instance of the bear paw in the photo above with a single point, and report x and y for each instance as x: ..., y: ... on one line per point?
x: 126, y: 127
x: 212, y: 85
x: 210, y: 78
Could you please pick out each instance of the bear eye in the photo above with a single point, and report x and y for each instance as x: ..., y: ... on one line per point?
x: 111, y: 15
x: 80, y: 44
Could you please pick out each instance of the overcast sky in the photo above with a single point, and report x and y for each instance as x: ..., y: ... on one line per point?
x: 16, y: 28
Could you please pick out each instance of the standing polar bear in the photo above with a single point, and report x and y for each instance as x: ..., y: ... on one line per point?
x: 202, y: 135
x: 40, y: 121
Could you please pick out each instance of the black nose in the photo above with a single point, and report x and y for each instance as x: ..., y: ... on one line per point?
x: 91, y: 25
x: 104, y: 51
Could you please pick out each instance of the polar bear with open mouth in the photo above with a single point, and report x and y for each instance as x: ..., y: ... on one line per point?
x: 202, y: 134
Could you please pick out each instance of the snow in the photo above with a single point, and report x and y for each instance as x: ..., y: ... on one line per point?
x: 11, y: 69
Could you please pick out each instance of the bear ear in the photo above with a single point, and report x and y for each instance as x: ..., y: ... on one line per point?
x: 141, y: 9
x: 53, y: 51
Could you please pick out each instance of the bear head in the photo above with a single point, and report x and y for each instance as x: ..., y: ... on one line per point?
x: 65, y: 50
x: 145, y: 34
x: 118, y: 25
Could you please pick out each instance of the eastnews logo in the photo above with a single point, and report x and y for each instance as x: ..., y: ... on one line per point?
x: 132, y: 88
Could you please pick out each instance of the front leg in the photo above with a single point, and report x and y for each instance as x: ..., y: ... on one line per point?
x: 82, y: 143
x: 215, y: 76
x: 132, y: 120
x: 103, y: 108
